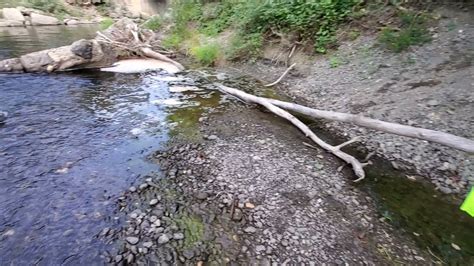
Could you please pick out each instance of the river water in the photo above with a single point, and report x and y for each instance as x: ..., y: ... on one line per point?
x: 67, y: 150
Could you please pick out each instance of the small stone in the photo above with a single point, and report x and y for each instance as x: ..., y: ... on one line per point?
x: 188, y: 254
x: 148, y: 244
x: 118, y: 258
x: 178, y: 236
x: 249, y: 205
x: 153, y: 202
x: 130, y: 258
x: 143, y: 186
x: 132, y: 189
x: 153, y: 218
x: 238, y: 215
x: 132, y: 240
x: 157, y: 223
x: 212, y: 137
x: 456, y: 247
x: 250, y: 230
x: 134, y: 215
x: 432, y: 103
x: 163, y: 239
x: 260, y: 248
x: 202, y: 195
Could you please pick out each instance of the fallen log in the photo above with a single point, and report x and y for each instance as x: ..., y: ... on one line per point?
x: 123, y: 40
x: 450, y: 140
x: 277, y: 106
x: 357, y: 166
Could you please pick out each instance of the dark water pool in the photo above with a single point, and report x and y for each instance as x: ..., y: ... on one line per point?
x: 67, y: 150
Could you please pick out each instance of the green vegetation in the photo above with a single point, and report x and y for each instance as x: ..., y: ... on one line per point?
x: 154, y: 23
x: 56, y: 7
x: 334, y: 61
x: 106, y: 23
x: 313, y: 21
x: 206, y: 54
x: 413, y: 31
x: 193, y: 229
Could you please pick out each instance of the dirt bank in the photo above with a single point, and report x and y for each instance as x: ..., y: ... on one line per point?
x: 431, y: 86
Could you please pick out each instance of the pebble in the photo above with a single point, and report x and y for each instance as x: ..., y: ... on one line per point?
x: 148, y: 244
x: 132, y: 189
x: 153, y: 218
x: 153, y: 202
x: 249, y: 205
x: 143, y: 186
x: 130, y: 258
x: 212, y: 137
x: 132, y: 240
x: 250, y: 230
x: 118, y: 258
x: 178, y: 236
x: 163, y: 239
x: 188, y: 254
x: 202, y: 195
x: 260, y: 248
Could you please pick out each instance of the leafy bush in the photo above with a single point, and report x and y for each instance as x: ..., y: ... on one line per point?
x: 154, y: 23
x: 413, y: 31
x: 245, y: 46
x: 206, y: 54
x: 315, y: 20
x: 106, y: 23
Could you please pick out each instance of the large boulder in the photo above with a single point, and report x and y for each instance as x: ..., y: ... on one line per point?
x: 12, y: 14
x: 37, y: 19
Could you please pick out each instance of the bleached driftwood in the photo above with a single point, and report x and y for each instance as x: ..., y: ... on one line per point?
x: 336, y: 150
x: 282, y: 76
x: 450, y: 140
x: 277, y: 107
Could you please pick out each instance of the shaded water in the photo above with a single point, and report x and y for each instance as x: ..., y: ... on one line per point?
x: 67, y: 151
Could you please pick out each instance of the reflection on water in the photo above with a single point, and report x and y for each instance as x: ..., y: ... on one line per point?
x: 16, y: 41
x: 66, y: 152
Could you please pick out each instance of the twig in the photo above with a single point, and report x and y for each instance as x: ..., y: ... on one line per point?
x: 282, y: 76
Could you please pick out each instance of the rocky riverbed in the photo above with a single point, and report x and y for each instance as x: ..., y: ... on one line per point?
x: 430, y: 86
x: 248, y: 191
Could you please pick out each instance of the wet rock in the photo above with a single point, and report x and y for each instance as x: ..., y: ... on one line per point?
x: 132, y: 240
x: 143, y: 186
x: 118, y: 258
x: 37, y: 19
x: 82, y: 48
x: 132, y: 189
x: 3, y: 117
x: 163, y: 239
